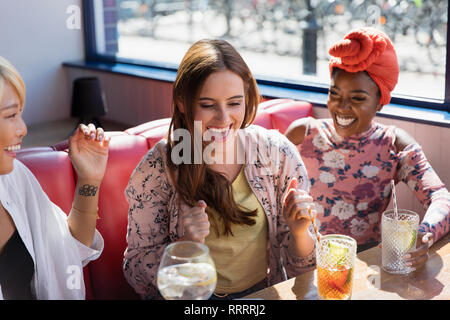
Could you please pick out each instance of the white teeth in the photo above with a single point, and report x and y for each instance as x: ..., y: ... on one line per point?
x: 219, y: 130
x: 344, y: 121
x: 13, y: 148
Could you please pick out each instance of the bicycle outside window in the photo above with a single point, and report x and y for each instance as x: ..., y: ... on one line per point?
x: 285, y: 42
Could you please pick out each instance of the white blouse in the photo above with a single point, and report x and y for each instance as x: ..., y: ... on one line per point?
x: 58, y: 257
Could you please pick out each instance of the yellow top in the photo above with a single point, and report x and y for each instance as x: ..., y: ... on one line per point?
x: 241, y: 259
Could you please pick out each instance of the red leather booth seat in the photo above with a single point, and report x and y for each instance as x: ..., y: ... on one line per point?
x: 104, y: 277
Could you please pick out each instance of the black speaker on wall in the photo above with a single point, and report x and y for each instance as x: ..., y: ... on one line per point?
x: 88, y: 101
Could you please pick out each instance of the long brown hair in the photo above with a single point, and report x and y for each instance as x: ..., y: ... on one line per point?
x: 197, y: 181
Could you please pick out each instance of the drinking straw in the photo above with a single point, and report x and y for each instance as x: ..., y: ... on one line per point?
x: 314, y: 225
x: 395, y: 199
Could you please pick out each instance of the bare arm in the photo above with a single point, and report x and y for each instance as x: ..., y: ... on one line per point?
x: 88, y: 151
x: 402, y: 139
x: 297, y: 130
x: 83, y: 215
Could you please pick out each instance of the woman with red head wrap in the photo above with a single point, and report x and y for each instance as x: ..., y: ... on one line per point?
x: 351, y: 159
x: 370, y: 50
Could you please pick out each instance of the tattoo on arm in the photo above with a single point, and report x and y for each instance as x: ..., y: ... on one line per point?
x: 88, y: 190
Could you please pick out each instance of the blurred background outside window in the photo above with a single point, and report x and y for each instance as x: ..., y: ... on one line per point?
x: 281, y: 40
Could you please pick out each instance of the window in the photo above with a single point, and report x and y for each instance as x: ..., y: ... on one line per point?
x: 282, y: 41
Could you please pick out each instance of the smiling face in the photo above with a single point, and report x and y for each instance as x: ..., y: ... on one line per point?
x: 221, y: 106
x: 12, y: 127
x: 353, y: 101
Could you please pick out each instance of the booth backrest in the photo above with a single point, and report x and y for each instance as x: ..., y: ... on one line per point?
x: 104, y: 277
x: 106, y: 272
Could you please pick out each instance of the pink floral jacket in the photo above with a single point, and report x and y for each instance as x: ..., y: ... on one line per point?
x: 271, y: 162
x: 350, y: 180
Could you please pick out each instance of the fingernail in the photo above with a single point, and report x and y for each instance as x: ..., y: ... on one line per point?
x: 202, y: 203
x: 100, y: 138
x: 92, y: 136
x: 409, y: 264
x: 406, y: 256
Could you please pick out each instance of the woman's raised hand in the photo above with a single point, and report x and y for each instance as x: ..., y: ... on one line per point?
x: 195, y: 223
x: 88, y: 151
x: 295, y: 210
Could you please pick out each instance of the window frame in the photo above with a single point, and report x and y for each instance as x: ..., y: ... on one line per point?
x: 92, y: 55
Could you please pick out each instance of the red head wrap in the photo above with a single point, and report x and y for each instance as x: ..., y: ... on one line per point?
x: 371, y: 50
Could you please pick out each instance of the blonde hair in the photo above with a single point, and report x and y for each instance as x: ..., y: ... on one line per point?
x: 10, y: 74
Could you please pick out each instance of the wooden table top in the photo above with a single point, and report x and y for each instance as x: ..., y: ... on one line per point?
x: 370, y: 282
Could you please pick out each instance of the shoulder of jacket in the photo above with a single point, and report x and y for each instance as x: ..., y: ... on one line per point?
x: 158, y: 150
x: 265, y: 134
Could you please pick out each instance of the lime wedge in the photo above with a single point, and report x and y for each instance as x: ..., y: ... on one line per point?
x: 338, y: 252
x: 406, y: 237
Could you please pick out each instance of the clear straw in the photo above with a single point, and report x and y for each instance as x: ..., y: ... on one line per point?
x: 314, y: 225
x: 395, y: 199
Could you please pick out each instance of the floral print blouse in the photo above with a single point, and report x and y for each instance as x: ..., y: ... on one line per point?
x: 350, y: 180
x: 271, y: 162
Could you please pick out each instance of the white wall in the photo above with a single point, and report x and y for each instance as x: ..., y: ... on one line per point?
x: 35, y: 38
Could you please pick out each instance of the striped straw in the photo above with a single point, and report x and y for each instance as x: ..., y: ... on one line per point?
x: 395, y: 199
x: 314, y: 225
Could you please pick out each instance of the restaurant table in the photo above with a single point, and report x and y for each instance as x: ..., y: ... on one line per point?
x: 371, y: 282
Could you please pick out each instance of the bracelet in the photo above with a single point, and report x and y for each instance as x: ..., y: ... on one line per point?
x: 85, y: 213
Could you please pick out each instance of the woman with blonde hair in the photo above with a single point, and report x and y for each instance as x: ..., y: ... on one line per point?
x: 40, y: 247
x: 236, y: 207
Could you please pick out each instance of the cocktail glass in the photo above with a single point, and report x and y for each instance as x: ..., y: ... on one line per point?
x: 335, y: 256
x: 186, y: 272
x: 398, y: 237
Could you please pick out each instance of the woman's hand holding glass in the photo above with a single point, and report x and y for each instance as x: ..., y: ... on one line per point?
x: 417, y: 258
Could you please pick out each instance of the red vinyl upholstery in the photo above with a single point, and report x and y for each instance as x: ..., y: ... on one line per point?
x: 107, y: 278
x: 282, y: 114
x: 52, y: 167
x: 55, y: 174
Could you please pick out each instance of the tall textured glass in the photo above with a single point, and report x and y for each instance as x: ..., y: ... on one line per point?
x: 186, y: 272
x: 335, y: 256
x: 398, y: 237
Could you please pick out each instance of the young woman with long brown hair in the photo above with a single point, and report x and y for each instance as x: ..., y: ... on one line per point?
x: 228, y: 189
